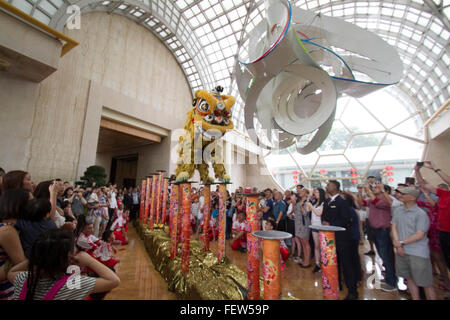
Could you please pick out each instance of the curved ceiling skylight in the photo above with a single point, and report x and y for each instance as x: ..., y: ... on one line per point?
x: 204, y: 36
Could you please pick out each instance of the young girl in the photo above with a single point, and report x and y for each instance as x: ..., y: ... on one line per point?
x: 213, y: 231
x: 240, y: 229
x: 47, y: 278
x: 284, y: 252
x: 119, y: 226
x: 106, y: 250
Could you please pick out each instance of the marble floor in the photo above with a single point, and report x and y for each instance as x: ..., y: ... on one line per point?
x: 140, y: 281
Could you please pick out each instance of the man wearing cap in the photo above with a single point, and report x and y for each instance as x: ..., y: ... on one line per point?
x: 409, y: 235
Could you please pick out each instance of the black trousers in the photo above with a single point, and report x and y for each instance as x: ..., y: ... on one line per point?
x: 351, y: 269
x: 291, y: 227
x: 134, y: 211
x: 229, y: 224
x: 282, y: 225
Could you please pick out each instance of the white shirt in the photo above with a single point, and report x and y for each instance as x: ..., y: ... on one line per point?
x: 315, y: 219
x: 333, y: 197
x: 119, y: 222
x: 112, y: 201
x: 93, y: 197
x: 59, y: 220
x: 195, y: 209
x: 395, y: 203
x: 362, y: 214
x: 135, y: 198
x: 201, y: 202
x: 290, y: 210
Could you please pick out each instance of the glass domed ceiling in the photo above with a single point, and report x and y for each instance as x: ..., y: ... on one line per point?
x: 205, y: 38
x: 204, y: 35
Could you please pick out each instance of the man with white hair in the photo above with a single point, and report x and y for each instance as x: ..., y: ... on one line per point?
x: 409, y: 235
x: 279, y: 211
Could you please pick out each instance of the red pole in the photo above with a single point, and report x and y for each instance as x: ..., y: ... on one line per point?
x: 253, y: 244
x: 158, y: 198
x: 329, y: 265
x: 174, y: 222
x: 222, y: 221
x: 164, y: 201
x: 179, y: 214
x: 186, y: 204
x: 153, y: 202
x: 272, y: 281
x: 271, y: 261
x: 147, y: 199
x: 142, y: 206
x: 206, y: 215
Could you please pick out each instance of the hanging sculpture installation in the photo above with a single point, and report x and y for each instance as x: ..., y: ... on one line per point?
x: 295, y: 64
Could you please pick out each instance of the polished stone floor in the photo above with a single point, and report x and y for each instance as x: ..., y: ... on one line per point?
x: 140, y: 281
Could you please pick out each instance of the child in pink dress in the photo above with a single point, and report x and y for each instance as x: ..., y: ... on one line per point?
x: 119, y: 226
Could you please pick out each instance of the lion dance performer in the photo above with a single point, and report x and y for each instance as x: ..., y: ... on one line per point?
x: 208, y: 120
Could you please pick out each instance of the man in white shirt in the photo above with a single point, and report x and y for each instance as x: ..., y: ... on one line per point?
x: 112, y: 201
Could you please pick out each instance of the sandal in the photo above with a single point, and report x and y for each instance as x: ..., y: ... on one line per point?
x: 303, y: 266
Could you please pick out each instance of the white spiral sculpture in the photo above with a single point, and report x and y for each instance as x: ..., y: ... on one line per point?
x: 290, y: 75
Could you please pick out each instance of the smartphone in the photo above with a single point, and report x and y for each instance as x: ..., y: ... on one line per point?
x: 410, y: 180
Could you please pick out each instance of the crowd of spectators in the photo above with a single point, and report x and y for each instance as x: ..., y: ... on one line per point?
x: 47, y: 227
x: 53, y: 233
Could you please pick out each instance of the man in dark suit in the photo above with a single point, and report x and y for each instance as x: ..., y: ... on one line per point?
x: 128, y: 200
x: 336, y: 212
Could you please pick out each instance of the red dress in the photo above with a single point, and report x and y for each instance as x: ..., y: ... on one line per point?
x: 284, y: 252
x: 210, y: 232
x: 96, y: 249
x: 242, y: 241
x: 119, y: 228
x: 433, y: 232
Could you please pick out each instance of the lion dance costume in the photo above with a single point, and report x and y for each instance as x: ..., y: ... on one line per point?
x: 207, y: 121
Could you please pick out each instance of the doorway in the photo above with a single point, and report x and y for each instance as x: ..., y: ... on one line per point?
x: 124, y: 170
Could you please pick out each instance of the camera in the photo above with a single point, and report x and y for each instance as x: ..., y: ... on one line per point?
x: 419, y: 163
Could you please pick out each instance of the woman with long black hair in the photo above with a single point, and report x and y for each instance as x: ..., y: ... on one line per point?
x: 17, y: 179
x: 48, y: 276
x: 356, y: 236
x: 316, y: 212
x: 302, y: 222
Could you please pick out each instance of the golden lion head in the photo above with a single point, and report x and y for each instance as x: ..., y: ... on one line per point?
x: 213, y: 111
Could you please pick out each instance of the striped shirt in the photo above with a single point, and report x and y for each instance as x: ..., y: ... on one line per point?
x: 65, y: 293
x: 6, y: 287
